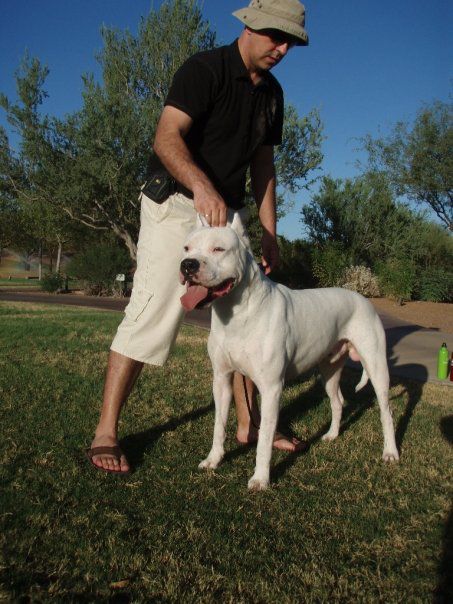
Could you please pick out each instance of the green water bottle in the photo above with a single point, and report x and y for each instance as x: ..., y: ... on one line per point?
x: 442, y: 362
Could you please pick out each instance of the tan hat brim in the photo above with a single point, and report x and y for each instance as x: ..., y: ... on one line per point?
x: 257, y: 19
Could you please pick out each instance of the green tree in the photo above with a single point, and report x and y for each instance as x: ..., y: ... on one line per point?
x: 92, y: 163
x: 362, y: 216
x: 29, y: 179
x: 419, y: 159
x: 358, y: 222
x: 89, y: 166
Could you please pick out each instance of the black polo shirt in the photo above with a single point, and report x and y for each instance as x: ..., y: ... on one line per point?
x: 231, y: 116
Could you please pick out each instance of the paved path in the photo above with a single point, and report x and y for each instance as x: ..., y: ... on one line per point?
x: 411, y: 349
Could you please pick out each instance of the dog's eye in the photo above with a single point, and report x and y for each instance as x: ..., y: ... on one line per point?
x: 186, y: 248
x: 219, y: 249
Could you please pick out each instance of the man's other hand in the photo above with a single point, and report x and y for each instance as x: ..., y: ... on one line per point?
x: 270, y: 252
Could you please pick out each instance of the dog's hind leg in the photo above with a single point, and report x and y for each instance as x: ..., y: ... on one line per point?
x: 222, y: 390
x: 377, y: 369
x: 270, y: 401
x: 372, y: 351
x: 331, y: 373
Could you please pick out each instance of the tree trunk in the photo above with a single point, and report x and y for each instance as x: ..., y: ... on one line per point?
x: 58, y: 264
x: 40, y: 261
x: 130, y: 243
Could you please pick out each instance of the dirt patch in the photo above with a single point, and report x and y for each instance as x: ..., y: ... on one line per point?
x: 433, y: 315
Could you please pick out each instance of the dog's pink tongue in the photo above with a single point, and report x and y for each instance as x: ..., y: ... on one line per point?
x: 193, y: 296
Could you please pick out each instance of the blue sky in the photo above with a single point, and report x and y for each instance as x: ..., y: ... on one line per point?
x: 369, y: 64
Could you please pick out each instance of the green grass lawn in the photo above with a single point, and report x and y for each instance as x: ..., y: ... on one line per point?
x: 337, y: 525
x: 17, y: 282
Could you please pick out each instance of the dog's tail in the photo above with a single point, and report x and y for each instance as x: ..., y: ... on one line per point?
x: 363, y: 381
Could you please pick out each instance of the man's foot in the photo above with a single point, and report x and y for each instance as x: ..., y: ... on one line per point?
x: 281, y: 442
x: 105, y: 454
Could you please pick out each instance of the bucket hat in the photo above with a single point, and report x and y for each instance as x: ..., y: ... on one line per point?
x: 285, y: 15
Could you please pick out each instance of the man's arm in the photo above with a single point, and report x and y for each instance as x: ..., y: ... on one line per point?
x: 262, y: 172
x: 172, y: 150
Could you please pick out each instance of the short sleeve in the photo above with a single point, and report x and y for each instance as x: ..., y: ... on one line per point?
x: 193, y: 88
x: 274, y: 134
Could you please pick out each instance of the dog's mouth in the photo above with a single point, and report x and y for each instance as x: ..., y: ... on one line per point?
x: 199, y: 296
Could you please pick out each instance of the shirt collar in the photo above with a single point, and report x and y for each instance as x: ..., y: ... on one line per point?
x: 238, y: 68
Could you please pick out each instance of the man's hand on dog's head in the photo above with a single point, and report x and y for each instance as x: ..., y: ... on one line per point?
x: 211, y: 206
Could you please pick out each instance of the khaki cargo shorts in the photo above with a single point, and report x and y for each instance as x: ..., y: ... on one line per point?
x: 154, y: 313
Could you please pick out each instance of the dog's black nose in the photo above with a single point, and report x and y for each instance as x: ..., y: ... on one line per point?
x: 189, y: 267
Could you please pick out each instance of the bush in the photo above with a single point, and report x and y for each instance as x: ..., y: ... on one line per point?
x: 397, y: 278
x: 295, y: 267
x: 98, y: 266
x: 329, y: 263
x: 435, y: 285
x: 361, y: 280
x: 52, y: 282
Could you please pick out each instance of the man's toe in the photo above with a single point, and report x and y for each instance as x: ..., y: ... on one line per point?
x: 109, y: 459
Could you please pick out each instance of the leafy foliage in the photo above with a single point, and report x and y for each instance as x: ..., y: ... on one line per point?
x: 52, y: 282
x: 329, y: 263
x: 300, y: 153
x: 98, y: 266
x: 435, y: 285
x: 89, y: 166
x: 419, y: 160
x: 358, y: 221
x: 397, y: 278
x: 295, y: 269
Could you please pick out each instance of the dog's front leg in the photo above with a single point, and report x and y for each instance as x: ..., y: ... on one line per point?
x: 270, y: 401
x: 222, y: 391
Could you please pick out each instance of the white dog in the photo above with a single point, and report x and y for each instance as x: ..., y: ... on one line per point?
x: 270, y: 333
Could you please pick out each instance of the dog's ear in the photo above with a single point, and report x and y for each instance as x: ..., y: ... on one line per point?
x: 237, y: 224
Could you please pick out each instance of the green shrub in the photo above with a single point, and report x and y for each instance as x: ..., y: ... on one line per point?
x: 295, y: 267
x: 329, y: 263
x: 435, y: 285
x: 397, y: 278
x: 98, y: 266
x: 52, y: 282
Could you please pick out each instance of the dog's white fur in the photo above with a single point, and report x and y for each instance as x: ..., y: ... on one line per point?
x: 269, y: 333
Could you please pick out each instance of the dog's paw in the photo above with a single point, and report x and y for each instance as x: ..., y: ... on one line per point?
x: 257, y: 484
x: 207, y: 464
x: 390, y: 456
x: 328, y: 436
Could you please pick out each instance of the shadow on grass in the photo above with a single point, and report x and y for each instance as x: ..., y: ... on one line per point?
x: 356, y: 405
x: 136, y: 445
x: 444, y: 589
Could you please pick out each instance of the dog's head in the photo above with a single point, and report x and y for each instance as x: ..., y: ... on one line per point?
x: 213, y: 263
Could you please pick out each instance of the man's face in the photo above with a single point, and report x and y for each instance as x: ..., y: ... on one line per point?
x: 268, y: 47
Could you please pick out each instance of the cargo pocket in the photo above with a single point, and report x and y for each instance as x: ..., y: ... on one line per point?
x: 156, y: 211
x: 138, y: 303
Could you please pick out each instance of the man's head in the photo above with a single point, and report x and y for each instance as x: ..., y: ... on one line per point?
x: 285, y: 17
x: 272, y: 28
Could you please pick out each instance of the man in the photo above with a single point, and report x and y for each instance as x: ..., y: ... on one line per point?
x: 223, y: 114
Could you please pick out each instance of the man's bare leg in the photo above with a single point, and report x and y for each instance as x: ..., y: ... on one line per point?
x: 246, y: 431
x: 122, y: 373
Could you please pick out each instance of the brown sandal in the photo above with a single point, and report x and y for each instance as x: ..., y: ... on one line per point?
x: 114, y: 451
